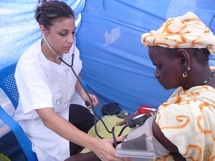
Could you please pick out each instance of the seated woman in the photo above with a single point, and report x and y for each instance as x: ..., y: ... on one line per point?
x: 184, y: 124
x: 183, y: 127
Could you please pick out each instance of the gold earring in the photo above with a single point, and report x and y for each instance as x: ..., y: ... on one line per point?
x: 188, y: 68
x: 184, y: 75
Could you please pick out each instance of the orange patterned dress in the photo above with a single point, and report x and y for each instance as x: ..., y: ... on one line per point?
x: 187, y: 119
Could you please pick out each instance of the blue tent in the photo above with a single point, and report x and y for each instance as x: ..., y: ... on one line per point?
x: 116, y: 65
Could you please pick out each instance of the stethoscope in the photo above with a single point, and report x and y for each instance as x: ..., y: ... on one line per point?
x: 86, y: 102
x: 73, y: 54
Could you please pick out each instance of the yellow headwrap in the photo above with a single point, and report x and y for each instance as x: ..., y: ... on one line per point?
x: 186, y: 31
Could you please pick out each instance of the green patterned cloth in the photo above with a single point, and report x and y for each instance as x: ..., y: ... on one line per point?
x: 4, y: 157
x: 110, y: 122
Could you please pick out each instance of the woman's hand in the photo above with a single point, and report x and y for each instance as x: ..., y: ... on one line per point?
x: 94, y: 100
x: 106, y: 152
x: 130, y: 117
x: 126, y: 118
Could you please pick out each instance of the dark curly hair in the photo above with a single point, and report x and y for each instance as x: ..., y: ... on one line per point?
x: 201, y: 54
x: 47, y: 12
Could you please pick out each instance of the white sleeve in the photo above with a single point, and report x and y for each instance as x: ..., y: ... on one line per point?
x: 32, y: 86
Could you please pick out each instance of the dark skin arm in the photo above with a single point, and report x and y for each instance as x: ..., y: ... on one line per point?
x: 156, y: 132
x: 166, y: 143
x: 162, y: 139
x: 159, y: 136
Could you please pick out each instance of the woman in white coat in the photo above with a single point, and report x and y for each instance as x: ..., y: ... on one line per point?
x: 47, y: 86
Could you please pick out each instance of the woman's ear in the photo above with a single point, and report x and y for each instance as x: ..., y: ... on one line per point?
x: 184, y: 61
x: 42, y: 29
x: 183, y: 57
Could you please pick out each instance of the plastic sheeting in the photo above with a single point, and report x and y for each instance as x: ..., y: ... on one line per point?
x: 19, y: 29
x: 116, y: 66
x: 115, y: 63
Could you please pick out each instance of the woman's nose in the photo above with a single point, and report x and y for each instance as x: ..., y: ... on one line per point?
x: 157, y: 75
x: 70, y: 38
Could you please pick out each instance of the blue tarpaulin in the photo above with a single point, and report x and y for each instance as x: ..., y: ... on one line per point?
x: 116, y: 65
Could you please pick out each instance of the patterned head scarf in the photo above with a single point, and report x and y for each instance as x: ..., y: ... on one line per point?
x: 186, y: 31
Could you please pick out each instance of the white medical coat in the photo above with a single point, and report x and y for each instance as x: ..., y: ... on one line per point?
x: 42, y: 83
